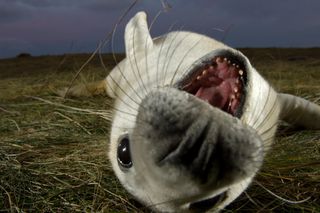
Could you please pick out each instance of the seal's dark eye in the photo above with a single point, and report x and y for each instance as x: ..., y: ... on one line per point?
x: 124, y: 155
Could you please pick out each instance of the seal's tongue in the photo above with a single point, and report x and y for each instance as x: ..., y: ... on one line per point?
x: 217, y: 96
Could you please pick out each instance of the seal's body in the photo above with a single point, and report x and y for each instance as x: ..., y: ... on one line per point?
x: 193, y: 119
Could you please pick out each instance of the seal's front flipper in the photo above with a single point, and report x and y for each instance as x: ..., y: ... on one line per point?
x: 299, y: 112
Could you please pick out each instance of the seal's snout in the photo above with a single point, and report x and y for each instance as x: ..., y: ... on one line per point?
x: 195, y: 151
x: 173, y: 125
x: 177, y: 131
x: 166, y: 112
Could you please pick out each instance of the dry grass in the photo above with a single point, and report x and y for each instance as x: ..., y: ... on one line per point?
x: 54, y: 160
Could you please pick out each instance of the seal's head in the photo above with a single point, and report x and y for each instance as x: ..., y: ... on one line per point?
x: 193, y: 120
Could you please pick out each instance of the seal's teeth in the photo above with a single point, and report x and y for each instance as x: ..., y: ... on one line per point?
x: 236, y: 89
x: 234, y: 65
x: 204, y: 72
x: 211, y: 67
x: 232, y: 96
x: 237, y: 81
x: 229, y: 62
x: 198, y: 77
x: 240, y: 72
x: 237, y: 66
x: 225, y: 59
x: 219, y: 60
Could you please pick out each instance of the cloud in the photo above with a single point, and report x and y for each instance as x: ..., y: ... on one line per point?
x: 12, y: 47
x: 253, y: 23
x: 54, y: 23
x: 44, y: 27
x: 38, y: 4
x: 85, y: 4
x: 10, y: 11
x: 105, y: 6
x: 15, y: 10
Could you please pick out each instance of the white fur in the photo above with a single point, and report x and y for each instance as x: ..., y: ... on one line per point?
x: 151, y: 62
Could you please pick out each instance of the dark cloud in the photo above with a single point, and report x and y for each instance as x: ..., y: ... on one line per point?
x: 11, y: 12
x: 47, y: 3
x: 47, y: 26
x: 105, y: 6
x: 92, y: 4
x: 16, y: 10
x: 251, y: 22
x: 13, y: 47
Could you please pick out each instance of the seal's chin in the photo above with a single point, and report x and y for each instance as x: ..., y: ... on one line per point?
x: 219, y: 80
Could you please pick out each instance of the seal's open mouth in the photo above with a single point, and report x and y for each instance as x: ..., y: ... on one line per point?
x: 219, y: 80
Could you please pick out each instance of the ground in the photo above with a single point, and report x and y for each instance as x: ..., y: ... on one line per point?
x: 54, y: 159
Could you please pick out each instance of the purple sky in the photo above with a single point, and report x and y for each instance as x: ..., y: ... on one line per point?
x: 60, y: 26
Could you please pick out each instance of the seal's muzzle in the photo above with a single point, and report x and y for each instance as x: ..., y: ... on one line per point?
x: 179, y: 132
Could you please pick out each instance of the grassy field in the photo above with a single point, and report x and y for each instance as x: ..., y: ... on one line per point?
x: 53, y: 159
